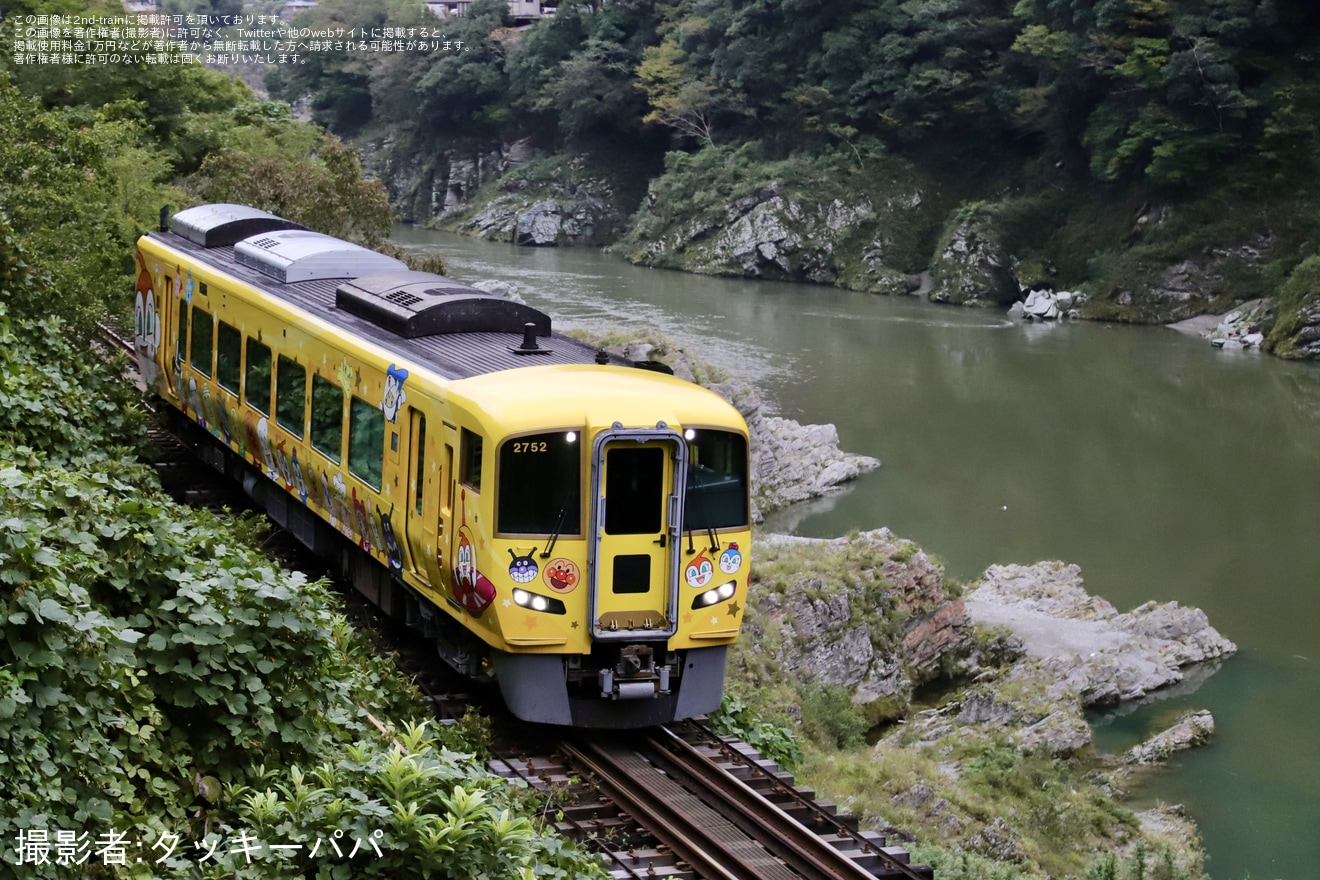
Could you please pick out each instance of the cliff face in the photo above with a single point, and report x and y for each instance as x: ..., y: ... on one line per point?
x: 881, y: 224
x: 869, y: 613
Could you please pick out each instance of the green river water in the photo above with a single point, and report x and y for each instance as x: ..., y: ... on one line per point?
x: 1167, y: 469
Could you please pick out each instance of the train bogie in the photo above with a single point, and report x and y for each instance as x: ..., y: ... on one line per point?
x: 554, y: 517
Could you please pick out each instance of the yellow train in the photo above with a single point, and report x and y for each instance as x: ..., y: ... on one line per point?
x: 555, y: 517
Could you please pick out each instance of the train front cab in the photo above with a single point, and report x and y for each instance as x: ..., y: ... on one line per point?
x: 665, y: 575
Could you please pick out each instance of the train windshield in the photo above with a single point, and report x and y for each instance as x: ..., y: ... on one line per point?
x: 540, y: 480
x: 716, y: 480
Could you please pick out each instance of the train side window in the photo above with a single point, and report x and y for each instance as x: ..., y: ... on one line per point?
x: 182, y: 350
x: 419, y: 471
x: 203, y: 337
x: 229, y: 357
x: 366, y: 441
x: 470, y: 460
x: 256, y: 379
x: 291, y: 396
x: 327, y: 418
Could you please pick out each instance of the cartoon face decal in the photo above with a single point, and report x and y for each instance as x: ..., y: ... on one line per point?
x: 263, y: 443
x: 188, y: 288
x: 731, y: 559
x: 213, y: 411
x: 394, y: 397
x: 360, y: 515
x: 298, y: 479
x: 329, y: 502
x: 178, y: 382
x: 699, y: 571
x: 345, y: 513
x: 373, y: 523
x: 561, y: 575
x: 392, y: 549
x: 178, y: 284
x: 226, y: 427
x: 284, y: 464
x: 345, y: 375
x: 523, y: 569
x: 471, y: 589
x: 315, y: 492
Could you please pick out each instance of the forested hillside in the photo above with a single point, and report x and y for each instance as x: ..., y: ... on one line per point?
x: 1156, y: 154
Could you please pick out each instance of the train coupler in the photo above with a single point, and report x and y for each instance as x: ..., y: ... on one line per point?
x: 635, y: 677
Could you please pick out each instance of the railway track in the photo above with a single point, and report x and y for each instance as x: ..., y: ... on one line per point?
x: 672, y: 802
x: 682, y: 802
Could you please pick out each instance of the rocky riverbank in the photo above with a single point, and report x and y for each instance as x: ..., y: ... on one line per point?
x: 881, y: 224
x: 983, y: 748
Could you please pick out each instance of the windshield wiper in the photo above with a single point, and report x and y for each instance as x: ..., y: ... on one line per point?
x: 554, y: 535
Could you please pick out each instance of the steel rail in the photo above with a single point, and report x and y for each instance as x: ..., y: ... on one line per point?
x: 812, y: 857
x: 697, y: 844
x: 802, y: 800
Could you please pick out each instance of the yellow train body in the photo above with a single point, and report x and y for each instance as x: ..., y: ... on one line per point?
x: 562, y: 520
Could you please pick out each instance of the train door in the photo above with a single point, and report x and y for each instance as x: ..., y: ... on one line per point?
x: 447, y: 540
x: 637, y: 486
x: 424, y: 489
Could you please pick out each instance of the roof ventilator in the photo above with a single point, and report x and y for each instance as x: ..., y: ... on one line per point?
x: 214, y: 226
x: 292, y: 256
x: 412, y: 304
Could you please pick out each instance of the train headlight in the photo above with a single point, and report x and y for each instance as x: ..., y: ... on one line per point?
x: 537, y: 602
x: 715, y: 594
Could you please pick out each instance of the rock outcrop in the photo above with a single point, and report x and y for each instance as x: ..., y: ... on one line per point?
x: 1078, y: 652
x: 1296, y: 333
x: 1192, y: 729
x: 573, y: 216
x: 881, y: 632
x: 971, y: 266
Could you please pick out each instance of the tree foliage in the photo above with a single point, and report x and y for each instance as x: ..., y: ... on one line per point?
x: 325, y: 191
x: 1161, y: 93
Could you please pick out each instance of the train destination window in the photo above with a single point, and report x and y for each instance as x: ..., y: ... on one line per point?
x: 470, y: 463
x: 228, y: 357
x: 540, y: 484
x: 182, y: 351
x: 366, y: 441
x: 327, y: 418
x: 290, y: 396
x: 634, y: 490
x: 716, y: 480
x: 203, y: 336
x: 256, y: 380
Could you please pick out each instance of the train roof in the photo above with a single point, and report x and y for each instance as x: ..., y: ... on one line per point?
x: 456, y: 330
x: 518, y: 401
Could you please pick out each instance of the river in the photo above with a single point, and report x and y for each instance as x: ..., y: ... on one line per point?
x: 1166, y: 468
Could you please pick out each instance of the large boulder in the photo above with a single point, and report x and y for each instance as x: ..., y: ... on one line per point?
x: 971, y: 266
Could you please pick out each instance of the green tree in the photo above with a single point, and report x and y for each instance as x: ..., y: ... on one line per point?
x: 325, y: 191
x: 685, y: 102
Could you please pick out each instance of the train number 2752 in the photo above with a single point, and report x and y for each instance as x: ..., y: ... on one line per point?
x: 534, y: 446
